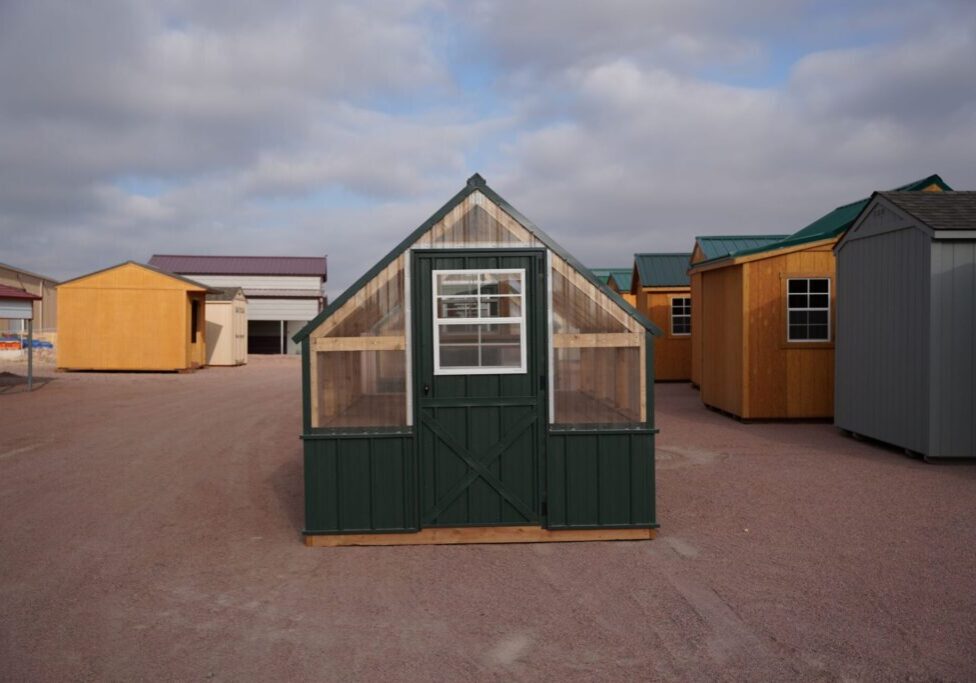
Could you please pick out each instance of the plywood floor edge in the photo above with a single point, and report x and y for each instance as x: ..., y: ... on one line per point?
x: 463, y: 535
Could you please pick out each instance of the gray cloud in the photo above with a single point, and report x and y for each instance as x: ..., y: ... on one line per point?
x: 303, y: 127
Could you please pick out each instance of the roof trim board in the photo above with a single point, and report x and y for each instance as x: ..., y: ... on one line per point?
x: 474, y: 184
x: 200, y: 285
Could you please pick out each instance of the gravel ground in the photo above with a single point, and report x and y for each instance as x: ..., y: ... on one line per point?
x: 149, y: 530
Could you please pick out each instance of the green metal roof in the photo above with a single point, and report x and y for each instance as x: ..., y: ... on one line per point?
x: 619, y: 275
x: 474, y: 184
x: 663, y: 270
x: 717, y: 246
x: 622, y: 279
x: 832, y: 224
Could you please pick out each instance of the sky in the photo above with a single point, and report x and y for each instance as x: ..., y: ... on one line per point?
x: 308, y: 128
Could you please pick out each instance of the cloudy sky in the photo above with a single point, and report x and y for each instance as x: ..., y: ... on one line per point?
x: 291, y: 127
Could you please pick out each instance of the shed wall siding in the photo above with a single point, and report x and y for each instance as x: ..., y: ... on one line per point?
x: 282, y: 309
x: 785, y: 380
x: 672, y: 353
x: 882, y: 337
x: 722, y: 340
x: 697, y: 319
x: 952, y: 407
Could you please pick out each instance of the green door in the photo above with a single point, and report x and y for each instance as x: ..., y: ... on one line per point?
x: 479, y: 385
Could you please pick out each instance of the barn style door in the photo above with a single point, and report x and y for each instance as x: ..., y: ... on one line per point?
x: 479, y: 340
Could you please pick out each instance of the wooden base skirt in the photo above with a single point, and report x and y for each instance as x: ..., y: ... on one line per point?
x: 484, y: 534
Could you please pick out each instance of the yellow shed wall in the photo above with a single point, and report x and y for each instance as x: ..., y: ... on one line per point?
x: 672, y: 354
x: 127, y: 318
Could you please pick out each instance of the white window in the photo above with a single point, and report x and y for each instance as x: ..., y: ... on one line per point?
x: 808, y: 309
x: 479, y: 322
x: 680, y: 316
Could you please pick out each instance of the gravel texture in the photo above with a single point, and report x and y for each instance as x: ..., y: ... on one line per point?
x: 149, y: 530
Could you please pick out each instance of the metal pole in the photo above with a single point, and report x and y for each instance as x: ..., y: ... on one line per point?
x: 30, y: 355
x: 281, y: 338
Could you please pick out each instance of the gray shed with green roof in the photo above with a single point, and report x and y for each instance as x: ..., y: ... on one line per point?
x: 478, y: 385
x: 906, y: 326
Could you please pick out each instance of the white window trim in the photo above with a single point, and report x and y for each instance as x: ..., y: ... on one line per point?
x: 671, y: 316
x: 830, y: 331
x: 438, y: 321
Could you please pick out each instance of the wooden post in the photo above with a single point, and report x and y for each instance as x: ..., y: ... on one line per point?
x: 30, y: 354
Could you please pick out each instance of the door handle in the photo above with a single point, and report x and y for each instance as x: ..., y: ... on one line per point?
x: 426, y: 389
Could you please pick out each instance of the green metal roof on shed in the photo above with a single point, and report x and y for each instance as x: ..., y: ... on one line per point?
x: 832, y: 224
x: 663, y: 270
x: 717, y: 246
x: 619, y: 275
x: 474, y: 184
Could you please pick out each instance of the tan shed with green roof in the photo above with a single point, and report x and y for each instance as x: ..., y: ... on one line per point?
x: 767, y: 320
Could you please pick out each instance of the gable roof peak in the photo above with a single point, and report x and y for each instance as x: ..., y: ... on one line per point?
x: 477, y: 181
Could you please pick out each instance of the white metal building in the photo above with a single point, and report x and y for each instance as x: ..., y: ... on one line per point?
x: 283, y: 292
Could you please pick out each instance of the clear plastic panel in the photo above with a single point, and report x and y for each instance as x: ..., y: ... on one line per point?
x: 595, y: 382
x: 476, y: 226
x: 377, y: 310
x: 361, y: 388
x: 575, y: 311
x: 597, y: 385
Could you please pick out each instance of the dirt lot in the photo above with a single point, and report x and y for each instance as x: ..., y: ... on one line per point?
x: 149, y: 530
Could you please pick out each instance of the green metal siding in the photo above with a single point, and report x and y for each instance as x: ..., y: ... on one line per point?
x: 360, y: 484
x: 600, y: 479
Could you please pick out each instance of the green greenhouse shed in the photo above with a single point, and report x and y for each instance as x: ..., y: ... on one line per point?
x: 478, y: 385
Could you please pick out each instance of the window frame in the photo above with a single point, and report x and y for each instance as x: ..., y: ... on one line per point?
x: 794, y: 343
x: 437, y: 321
x: 671, y: 316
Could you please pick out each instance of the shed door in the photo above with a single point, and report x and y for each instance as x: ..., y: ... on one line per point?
x: 479, y: 340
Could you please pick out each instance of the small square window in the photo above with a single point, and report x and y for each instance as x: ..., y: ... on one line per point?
x: 808, y: 309
x: 680, y: 316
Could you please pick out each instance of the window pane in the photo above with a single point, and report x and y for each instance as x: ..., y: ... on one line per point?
x: 798, y: 317
x: 798, y: 332
x: 508, y: 333
x: 501, y: 307
x: 819, y: 285
x: 501, y: 356
x: 457, y: 284
x: 457, y: 308
x: 798, y: 286
x: 819, y: 301
x: 818, y: 332
x: 817, y: 317
x: 459, y: 334
x: 501, y: 283
x: 798, y: 300
x: 459, y: 356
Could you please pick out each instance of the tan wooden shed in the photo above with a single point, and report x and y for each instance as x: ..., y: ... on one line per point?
x: 767, y: 325
x: 227, y: 327
x: 131, y: 317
